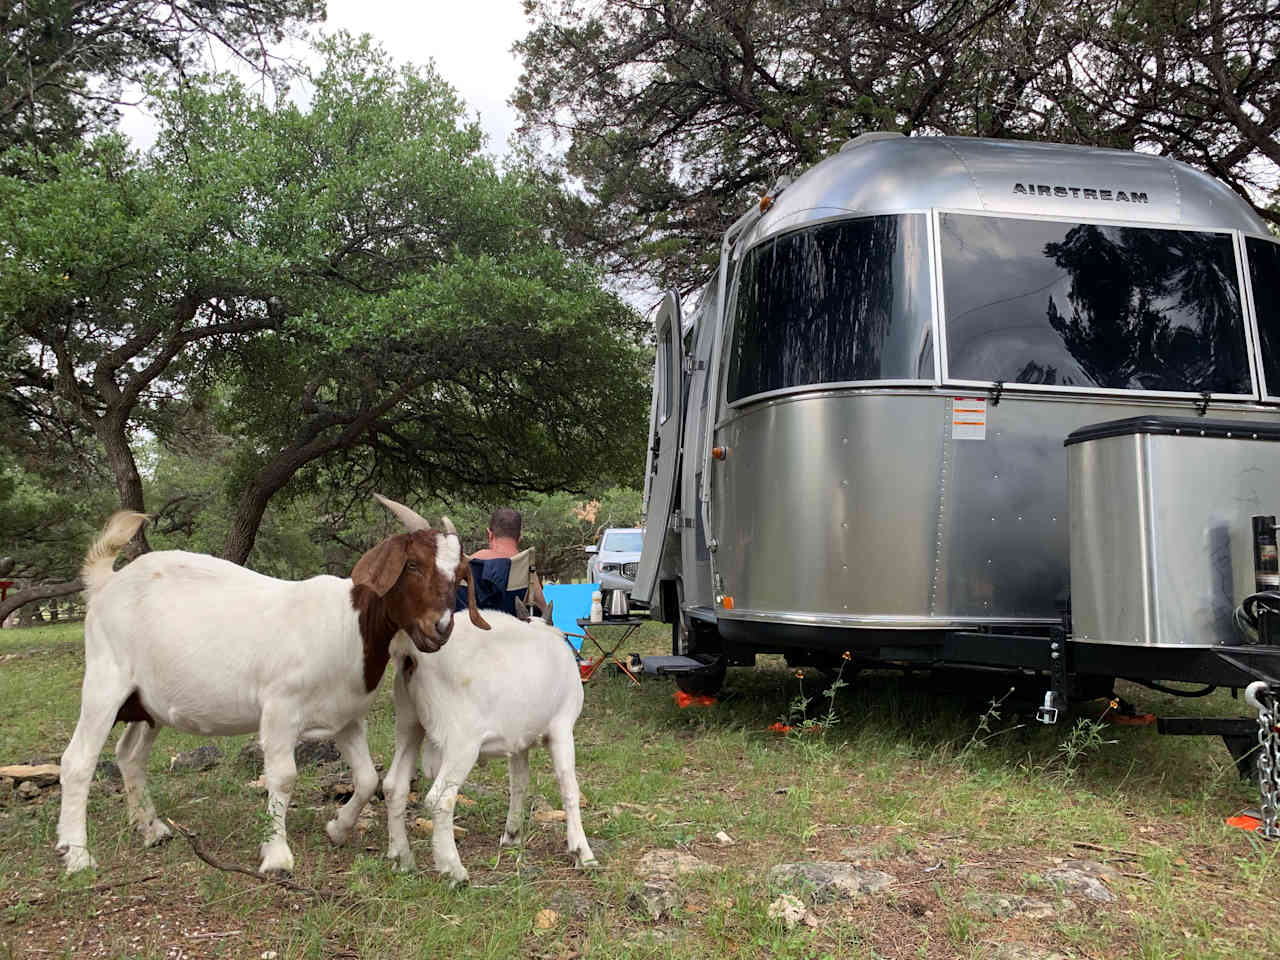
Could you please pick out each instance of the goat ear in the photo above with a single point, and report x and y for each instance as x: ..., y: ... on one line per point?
x: 546, y: 614
x: 464, y: 576
x: 522, y: 612
x: 380, y: 568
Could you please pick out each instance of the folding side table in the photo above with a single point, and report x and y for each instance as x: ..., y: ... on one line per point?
x: 613, y: 633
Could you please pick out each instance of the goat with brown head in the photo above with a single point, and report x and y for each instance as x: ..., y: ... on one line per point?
x: 448, y: 557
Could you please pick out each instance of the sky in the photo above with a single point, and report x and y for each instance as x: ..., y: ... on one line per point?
x: 470, y: 42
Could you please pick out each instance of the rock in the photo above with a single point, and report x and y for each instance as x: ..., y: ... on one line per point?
x: 312, y: 753
x: 569, y: 903
x: 1007, y: 906
x: 28, y: 790
x: 669, y: 864
x: 307, y: 754
x: 269, y: 955
x: 193, y: 761
x: 1023, y: 951
x: 1092, y: 868
x: 546, y: 919
x: 1080, y: 881
x: 791, y: 911
x: 828, y: 880
x: 724, y: 839
x: 42, y: 774
x: 250, y: 757
x: 337, y: 787
x: 107, y: 769
x: 658, y: 898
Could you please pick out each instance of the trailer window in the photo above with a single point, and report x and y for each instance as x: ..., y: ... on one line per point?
x: 1264, y: 277
x: 1089, y: 305
x: 835, y: 303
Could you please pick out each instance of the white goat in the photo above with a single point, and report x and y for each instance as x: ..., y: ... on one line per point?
x: 203, y: 645
x: 485, y: 694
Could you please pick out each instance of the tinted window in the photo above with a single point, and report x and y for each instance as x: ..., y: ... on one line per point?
x: 833, y: 303
x: 1085, y: 305
x: 665, y: 390
x: 1264, y: 275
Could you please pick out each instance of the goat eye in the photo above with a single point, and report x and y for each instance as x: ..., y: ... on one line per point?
x: 411, y: 566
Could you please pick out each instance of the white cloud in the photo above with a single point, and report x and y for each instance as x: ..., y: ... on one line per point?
x: 469, y: 42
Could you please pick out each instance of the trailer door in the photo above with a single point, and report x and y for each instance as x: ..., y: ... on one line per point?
x: 665, y: 417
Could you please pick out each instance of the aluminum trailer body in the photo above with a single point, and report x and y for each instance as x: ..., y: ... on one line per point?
x: 857, y: 431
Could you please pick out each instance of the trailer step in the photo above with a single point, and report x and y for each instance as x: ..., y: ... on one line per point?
x: 668, y: 666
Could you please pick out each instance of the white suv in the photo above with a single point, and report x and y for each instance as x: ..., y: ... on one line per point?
x: 614, y: 560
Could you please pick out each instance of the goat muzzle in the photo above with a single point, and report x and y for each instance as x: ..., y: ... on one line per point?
x: 425, y: 642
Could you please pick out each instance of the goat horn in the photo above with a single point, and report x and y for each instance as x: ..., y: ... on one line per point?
x: 406, y: 516
x: 448, y: 526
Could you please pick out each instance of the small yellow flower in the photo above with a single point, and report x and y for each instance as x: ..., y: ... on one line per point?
x: 1114, y: 704
x: 799, y: 674
x: 845, y: 656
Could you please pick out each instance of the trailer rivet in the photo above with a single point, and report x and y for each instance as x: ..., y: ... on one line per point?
x: 845, y: 525
x: 1053, y: 646
x: 1054, y: 656
x: 844, y: 440
x: 995, y: 476
x: 844, y: 483
x: 1019, y: 519
x: 846, y: 568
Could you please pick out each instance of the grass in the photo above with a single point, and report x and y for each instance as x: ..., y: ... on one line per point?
x: 904, y: 782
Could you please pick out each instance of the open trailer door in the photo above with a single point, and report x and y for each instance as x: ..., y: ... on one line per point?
x: 663, y: 462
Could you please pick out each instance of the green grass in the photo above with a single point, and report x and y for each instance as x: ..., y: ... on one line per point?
x: 898, y: 783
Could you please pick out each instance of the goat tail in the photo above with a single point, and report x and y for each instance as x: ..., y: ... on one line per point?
x: 100, y: 559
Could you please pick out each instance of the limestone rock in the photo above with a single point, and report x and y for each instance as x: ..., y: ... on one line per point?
x: 658, y: 898
x: 791, y: 911
x: 41, y: 774
x: 193, y: 761
x: 28, y: 790
x: 1083, y: 878
x: 670, y: 864
x: 828, y: 880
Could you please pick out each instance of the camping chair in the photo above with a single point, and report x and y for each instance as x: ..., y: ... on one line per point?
x: 498, y: 582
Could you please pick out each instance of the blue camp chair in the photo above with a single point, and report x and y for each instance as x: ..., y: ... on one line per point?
x: 570, y: 602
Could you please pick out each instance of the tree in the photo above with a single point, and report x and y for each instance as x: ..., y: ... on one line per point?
x: 63, y: 62
x: 351, y: 280
x: 670, y: 115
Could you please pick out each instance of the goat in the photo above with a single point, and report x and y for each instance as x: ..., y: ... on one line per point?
x: 486, y: 694
x: 205, y: 646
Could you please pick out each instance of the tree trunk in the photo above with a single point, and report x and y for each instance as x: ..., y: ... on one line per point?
x: 254, y: 500
x: 18, y: 599
x: 111, y: 430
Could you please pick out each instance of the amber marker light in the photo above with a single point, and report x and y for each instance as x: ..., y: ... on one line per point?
x: 719, y: 453
x: 726, y: 602
x: 765, y: 203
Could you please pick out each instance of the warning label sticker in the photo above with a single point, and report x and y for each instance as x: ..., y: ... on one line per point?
x: 968, y: 418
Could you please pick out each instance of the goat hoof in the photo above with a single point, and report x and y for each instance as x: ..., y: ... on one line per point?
x: 337, y: 834
x: 509, y: 840
x: 275, y: 860
x: 155, y: 833
x: 404, y: 860
x: 457, y: 878
x: 588, y: 863
x: 77, y: 859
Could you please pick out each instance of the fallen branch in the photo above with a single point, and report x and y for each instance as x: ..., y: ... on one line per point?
x: 272, y: 880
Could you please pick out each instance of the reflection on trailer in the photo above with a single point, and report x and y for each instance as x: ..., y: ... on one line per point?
x: 860, y: 431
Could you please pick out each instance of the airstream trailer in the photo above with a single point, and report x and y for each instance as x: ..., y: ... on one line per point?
x: 971, y: 402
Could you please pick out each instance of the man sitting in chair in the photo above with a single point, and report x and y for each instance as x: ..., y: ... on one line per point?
x: 502, y: 572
